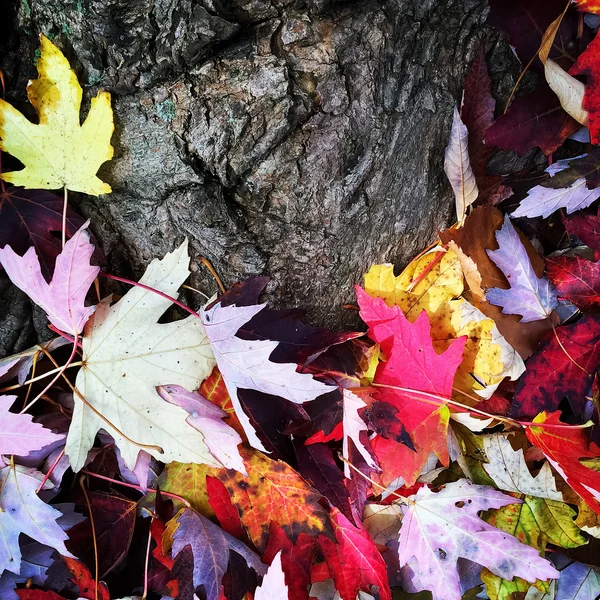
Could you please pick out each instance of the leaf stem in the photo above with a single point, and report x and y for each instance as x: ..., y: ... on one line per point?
x: 139, y: 488
x: 82, y: 481
x: 153, y: 290
x: 55, y: 378
x: 146, y: 565
x: 64, y: 216
x: 16, y: 386
x: 213, y: 272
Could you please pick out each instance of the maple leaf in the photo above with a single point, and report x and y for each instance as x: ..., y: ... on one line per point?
x: 458, y: 167
x: 477, y: 113
x: 205, y: 417
x: 525, y: 22
x: 587, y: 229
x: 23, y: 512
x: 246, y: 364
x: 439, y: 528
x: 273, y: 585
x: 565, y: 449
x: 63, y: 299
x: 537, y: 119
x: 560, y: 370
x: 507, y: 467
x: 587, y: 65
x: 478, y: 234
x: 354, y: 561
x: 273, y: 491
x: 487, y: 357
x: 126, y: 355
x: 114, y: 522
x: 411, y: 363
x: 531, y: 296
x: 210, y: 546
x: 35, y: 561
x: 30, y: 218
x: 19, y: 435
x: 58, y: 151
x: 542, y: 200
x: 577, y: 581
x: 591, y: 6
x: 576, y: 279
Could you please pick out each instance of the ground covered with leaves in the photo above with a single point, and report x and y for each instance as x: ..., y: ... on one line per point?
x: 151, y: 450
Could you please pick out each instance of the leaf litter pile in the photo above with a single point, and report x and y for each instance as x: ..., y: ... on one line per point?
x: 230, y: 451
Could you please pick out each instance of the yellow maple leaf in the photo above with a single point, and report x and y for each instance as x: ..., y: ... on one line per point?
x: 59, y: 151
x: 433, y: 283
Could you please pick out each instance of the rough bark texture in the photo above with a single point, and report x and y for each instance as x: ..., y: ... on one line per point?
x: 301, y: 139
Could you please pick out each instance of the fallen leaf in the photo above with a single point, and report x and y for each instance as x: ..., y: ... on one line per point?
x: 23, y: 512
x: 586, y: 228
x: 19, y: 435
x: 477, y: 113
x: 354, y: 561
x: 273, y: 585
x: 478, y: 234
x: 246, y: 363
x: 587, y: 65
x: 564, y: 449
x: 560, y: 370
x: 412, y: 363
x: 211, y: 548
x: 273, y: 492
x: 546, y: 198
x: 508, y: 469
x: 570, y: 91
x: 576, y: 279
x: 114, y: 522
x: 126, y: 355
x: 537, y: 119
x: 458, y: 167
x: 529, y: 295
x: 58, y: 152
x: 63, y: 299
x: 206, y: 418
x: 438, y: 528
x: 591, y: 6
x: 31, y: 218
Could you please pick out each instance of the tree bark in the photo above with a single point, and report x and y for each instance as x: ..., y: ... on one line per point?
x: 302, y: 139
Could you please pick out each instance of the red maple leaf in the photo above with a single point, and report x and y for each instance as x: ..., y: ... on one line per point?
x: 588, y: 64
x: 354, y: 561
x: 587, y: 228
x: 412, y: 363
x: 560, y: 370
x: 576, y: 279
x: 537, y: 119
x: 565, y: 448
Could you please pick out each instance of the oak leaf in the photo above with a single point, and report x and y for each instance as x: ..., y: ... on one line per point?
x: 58, y: 151
x: 126, y: 355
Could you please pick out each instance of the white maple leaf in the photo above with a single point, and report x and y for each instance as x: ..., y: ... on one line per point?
x: 23, y: 512
x: 245, y: 364
x: 439, y: 528
x: 352, y: 425
x: 126, y: 355
x: 273, y: 585
x: 508, y: 469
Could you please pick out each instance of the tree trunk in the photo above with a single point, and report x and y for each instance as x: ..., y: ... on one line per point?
x: 302, y: 139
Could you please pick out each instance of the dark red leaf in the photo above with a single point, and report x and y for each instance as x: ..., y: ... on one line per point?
x: 34, y: 218
x: 477, y: 113
x: 114, y: 521
x: 587, y: 228
x: 551, y: 375
x: 576, y: 279
x: 537, y: 119
x: 38, y: 595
